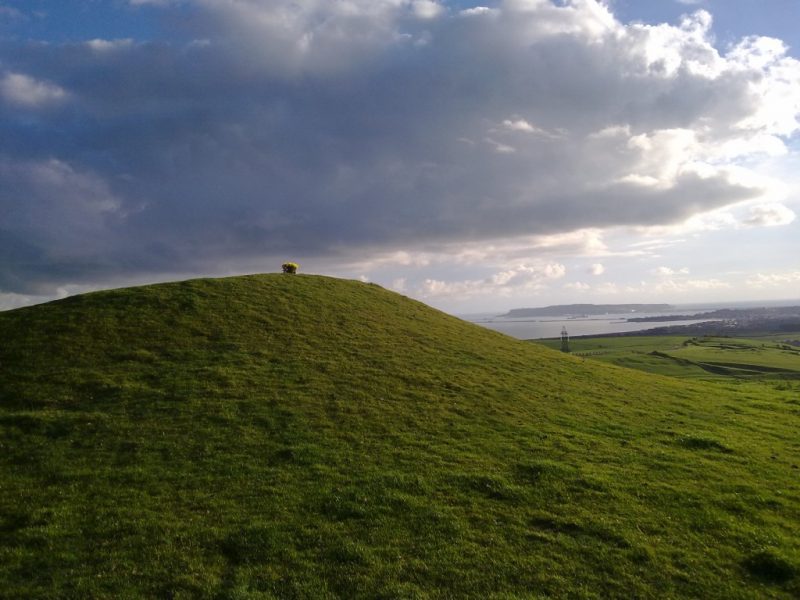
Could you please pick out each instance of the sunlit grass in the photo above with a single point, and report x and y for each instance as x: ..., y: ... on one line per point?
x: 297, y: 436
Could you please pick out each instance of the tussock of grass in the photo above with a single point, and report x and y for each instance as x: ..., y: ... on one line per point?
x: 694, y: 442
x: 306, y: 437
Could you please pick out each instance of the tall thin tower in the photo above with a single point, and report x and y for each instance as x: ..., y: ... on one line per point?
x: 564, y: 339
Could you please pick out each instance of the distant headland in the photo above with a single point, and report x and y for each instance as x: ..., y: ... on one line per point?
x: 570, y: 310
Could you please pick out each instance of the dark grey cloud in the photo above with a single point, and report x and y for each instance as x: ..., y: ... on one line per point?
x: 316, y: 128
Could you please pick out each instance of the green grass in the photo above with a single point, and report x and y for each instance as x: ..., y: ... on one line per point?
x: 708, y: 357
x: 305, y: 437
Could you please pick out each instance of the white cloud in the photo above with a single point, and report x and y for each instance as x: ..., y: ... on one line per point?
x: 640, y: 180
x: 23, y: 90
x: 476, y: 10
x: 9, y: 301
x: 583, y: 242
x: 398, y: 258
x: 519, y: 125
x: 775, y: 93
x: 665, y: 49
x: 650, y: 245
x: 524, y: 278
x: 523, y: 250
x: 500, y: 147
x: 672, y: 286
x: 707, y: 284
x: 669, y: 272
x: 523, y: 126
x: 765, y: 280
x: 769, y: 215
x: 426, y: 9
x: 665, y: 289
x: 554, y: 271
x: 525, y: 275
x: 100, y: 45
x: 744, y: 146
x: 597, y: 269
x: 735, y: 217
x: 756, y: 52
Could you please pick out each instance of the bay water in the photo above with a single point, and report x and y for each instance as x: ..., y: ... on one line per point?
x: 550, y: 327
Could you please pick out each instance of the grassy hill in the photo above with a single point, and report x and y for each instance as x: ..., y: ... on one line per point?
x: 306, y: 437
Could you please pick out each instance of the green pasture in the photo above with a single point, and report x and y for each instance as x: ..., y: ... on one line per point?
x: 704, y: 357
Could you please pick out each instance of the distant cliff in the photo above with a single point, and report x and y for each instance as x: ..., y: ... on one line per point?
x: 571, y: 310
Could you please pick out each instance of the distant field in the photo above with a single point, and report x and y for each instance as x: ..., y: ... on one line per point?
x: 762, y: 357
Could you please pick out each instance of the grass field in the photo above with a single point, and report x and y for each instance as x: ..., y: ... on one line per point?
x: 765, y: 357
x: 305, y: 437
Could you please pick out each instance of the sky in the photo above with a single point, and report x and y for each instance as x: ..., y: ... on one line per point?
x: 477, y: 156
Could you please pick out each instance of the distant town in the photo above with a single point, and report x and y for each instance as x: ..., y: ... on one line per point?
x: 729, y: 321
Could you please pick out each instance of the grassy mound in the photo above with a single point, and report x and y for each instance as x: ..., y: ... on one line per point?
x: 302, y: 437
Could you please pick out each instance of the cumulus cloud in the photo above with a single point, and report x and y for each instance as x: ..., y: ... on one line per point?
x: 426, y: 9
x: 101, y: 45
x: 524, y: 278
x: 22, y: 90
x: 597, y: 269
x: 519, y: 125
x: 337, y: 129
x: 476, y: 10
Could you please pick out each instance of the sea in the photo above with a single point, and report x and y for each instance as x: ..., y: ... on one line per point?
x: 529, y: 328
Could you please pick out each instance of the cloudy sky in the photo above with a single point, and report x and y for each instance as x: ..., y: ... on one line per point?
x: 474, y: 156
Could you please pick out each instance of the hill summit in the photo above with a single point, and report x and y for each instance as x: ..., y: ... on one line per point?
x: 282, y: 436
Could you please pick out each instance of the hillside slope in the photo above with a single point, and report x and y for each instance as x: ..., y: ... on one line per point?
x: 282, y: 436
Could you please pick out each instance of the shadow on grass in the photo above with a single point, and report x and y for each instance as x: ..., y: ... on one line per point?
x: 769, y: 567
